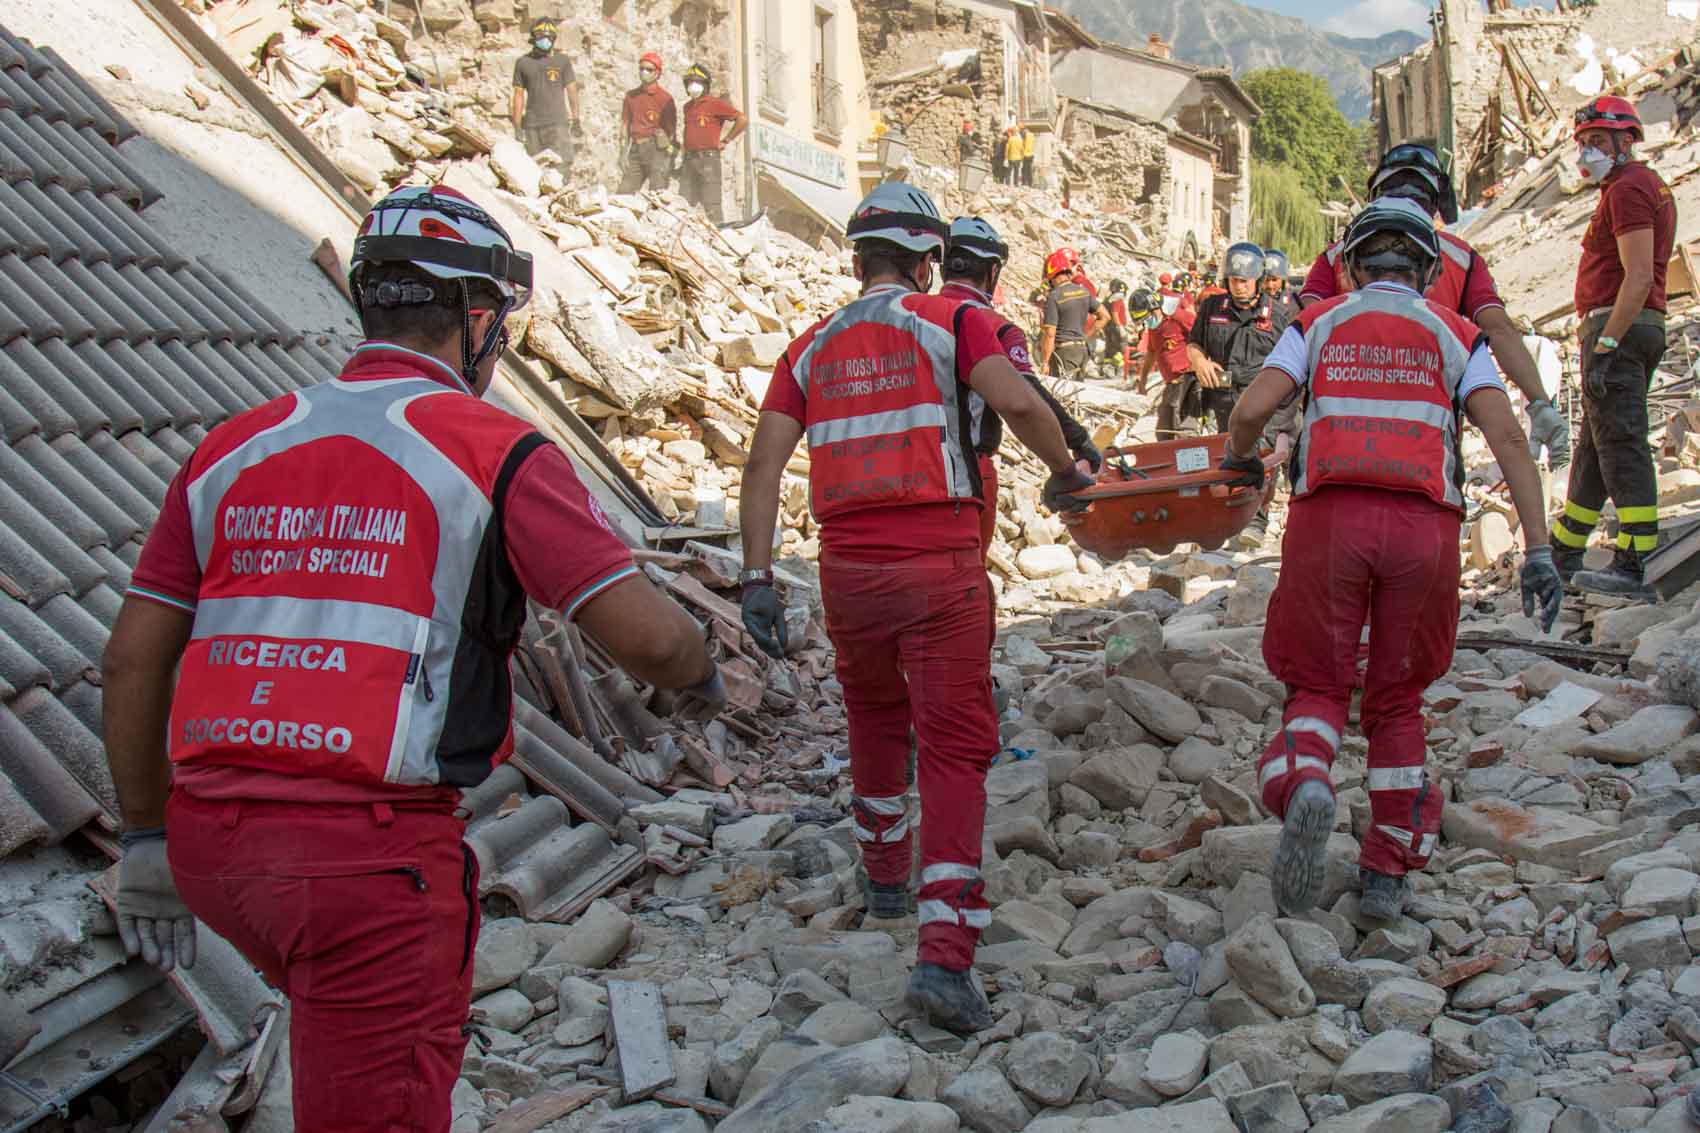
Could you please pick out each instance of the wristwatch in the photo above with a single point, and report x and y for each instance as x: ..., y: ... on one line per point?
x: 1604, y: 343
x: 755, y: 575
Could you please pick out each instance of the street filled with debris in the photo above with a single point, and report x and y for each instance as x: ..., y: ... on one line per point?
x: 677, y: 929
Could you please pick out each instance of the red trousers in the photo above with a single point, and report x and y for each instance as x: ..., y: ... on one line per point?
x: 989, y: 529
x: 365, y: 916
x: 911, y: 640
x: 1351, y: 554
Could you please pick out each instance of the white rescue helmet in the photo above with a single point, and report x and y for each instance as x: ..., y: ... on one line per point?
x: 975, y: 237
x: 900, y: 214
x: 446, y: 235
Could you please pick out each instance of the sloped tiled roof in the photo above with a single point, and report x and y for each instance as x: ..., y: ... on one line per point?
x: 116, y: 355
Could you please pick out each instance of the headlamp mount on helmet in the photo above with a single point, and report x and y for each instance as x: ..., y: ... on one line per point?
x: 1420, y: 161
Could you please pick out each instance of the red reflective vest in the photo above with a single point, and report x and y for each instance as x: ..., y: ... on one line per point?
x: 888, y: 423
x: 1448, y: 288
x: 1382, y: 401
x: 357, y: 609
x: 1171, y: 337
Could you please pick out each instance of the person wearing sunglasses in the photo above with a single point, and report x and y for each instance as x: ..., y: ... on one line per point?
x: 1464, y: 284
x: 649, y: 128
x: 1620, y: 298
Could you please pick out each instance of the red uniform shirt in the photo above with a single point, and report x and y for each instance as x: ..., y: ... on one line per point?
x: 647, y: 111
x: 1168, y: 339
x: 890, y: 534
x: 704, y: 118
x: 558, y: 540
x: 1633, y: 198
x: 1468, y: 290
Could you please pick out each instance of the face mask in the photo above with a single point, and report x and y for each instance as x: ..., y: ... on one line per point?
x: 543, y: 43
x: 1594, y: 163
x: 694, y: 89
x: 647, y: 75
x: 1171, y: 304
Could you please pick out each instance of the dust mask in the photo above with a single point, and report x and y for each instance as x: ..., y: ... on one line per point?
x: 1171, y: 304
x: 543, y: 43
x: 1595, y: 164
x: 694, y: 89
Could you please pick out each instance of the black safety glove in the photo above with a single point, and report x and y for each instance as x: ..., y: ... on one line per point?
x: 1541, y: 585
x: 764, y: 617
x: 1249, y: 469
x: 704, y: 700
x: 578, y: 129
x: 1594, y: 369
x: 1088, y: 452
x: 1059, y: 489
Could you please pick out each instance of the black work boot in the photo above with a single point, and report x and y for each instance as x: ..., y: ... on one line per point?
x: 1301, y: 860
x: 949, y: 999
x: 1383, y: 896
x: 1568, y: 560
x: 887, y: 902
x: 1624, y: 576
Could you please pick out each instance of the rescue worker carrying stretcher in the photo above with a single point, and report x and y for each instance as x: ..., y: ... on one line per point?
x: 1462, y: 285
x: 882, y: 390
x: 1372, y: 535
x: 342, y: 573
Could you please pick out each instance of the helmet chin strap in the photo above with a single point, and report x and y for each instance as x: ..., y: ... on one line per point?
x: 470, y: 361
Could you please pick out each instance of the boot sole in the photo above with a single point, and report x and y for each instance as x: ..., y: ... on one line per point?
x: 1615, y: 587
x: 1302, y: 859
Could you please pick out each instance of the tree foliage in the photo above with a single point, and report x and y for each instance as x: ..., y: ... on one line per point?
x: 1284, y: 215
x: 1302, y: 129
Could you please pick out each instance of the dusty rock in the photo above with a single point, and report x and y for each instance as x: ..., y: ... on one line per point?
x: 878, y: 1067
x: 1162, y: 713
x: 1269, y: 1109
x: 1575, y: 1023
x: 1316, y: 951
x: 1045, y: 562
x: 1535, y: 834
x: 1048, y: 1067
x: 799, y: 994
x: 694, y: 818
x: 1176, y: 1063
x: 985, y: 1101
x: 1662, y: 892
x: 1393, y: 1062
x: 863, y: 1114
x: 505, y: 950
x: 1651, y: 731
x: 1402, y: 1004
x: 1264, y: 967
x: 581, y: 1012
x: 1402, y: 1113
x: 1274, y: 1052
x: 1229, y: 851
x: 1207, y: 1115
x: 842, y: 1024
x: 1124, y: 1081
x: 1121, y: 777
x: 1655, y: 943
x: 1195, y: 760
x: 758, y: 832
x: 1236, y: 696
x: 595, y: 939
x: 1025, y: 920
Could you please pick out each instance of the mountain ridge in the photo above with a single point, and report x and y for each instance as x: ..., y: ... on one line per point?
x: 1226, y: 33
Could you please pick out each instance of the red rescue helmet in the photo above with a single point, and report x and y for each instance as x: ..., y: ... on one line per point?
x: 1058, y: 263
x: 1165, y: 279
x: 1609, y: 112
x: 651, y: 59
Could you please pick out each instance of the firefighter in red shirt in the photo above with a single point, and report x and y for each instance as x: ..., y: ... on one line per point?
x: 1463, y: 284
x: 1372, y: 535
x: 705, y: 117
x: 1166, y: 349
x: 342, y: 574
x: 1620, y: 296
x: 881, y: 388
x: 649, y: 128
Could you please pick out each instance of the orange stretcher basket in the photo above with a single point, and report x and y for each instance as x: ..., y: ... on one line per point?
x: 1161, y: 495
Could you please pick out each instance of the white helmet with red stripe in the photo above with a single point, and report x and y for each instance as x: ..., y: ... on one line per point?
x: 899, y: 214
x: 446, y: 235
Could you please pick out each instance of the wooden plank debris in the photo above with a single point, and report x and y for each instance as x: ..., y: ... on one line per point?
x: 540, y: 1109
x: 708, y: 1107
x: 639, y: 1027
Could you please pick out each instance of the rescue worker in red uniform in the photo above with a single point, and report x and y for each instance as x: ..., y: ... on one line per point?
x: 1166, y: 349
x: 649, y: 130
x: 1464, y: 285
x: 1620, y: 296
x: 881, y: 388
x: 342, y: 573
x: 973, y: 263
x: 1372, y: 535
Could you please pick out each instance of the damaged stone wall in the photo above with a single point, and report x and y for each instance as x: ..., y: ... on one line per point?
x: 1124, y: 160
x: 900, y: 37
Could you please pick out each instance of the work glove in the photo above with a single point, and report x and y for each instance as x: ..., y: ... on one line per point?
x: 1088, y: 452
x: 152, y: 920
x: 1541, y: 585
x: 578, y: 129
x: 764, y: 617
x: 1548, y: 427
x: 704, y: 700
x: 1248, y: 469
x: 1594, y: 368
x: 1059, y: 489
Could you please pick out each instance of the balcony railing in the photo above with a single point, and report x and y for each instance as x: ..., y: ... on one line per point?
x: 829, y: 106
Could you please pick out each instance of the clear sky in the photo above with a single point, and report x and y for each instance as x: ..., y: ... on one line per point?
x: 1355, y: 17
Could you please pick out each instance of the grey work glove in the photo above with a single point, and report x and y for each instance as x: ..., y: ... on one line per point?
x: 1542, y: 586
x: 1548, y: 427
x: 1060, y: 488
x: 152, y: 920
x: 1249, y: 469
x: 703, y: 701
x: 764, y: 617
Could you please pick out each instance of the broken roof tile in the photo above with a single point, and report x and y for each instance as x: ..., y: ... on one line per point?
x: 58, y: 801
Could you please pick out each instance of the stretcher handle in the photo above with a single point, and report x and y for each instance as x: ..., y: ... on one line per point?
x: 1209, y: 478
